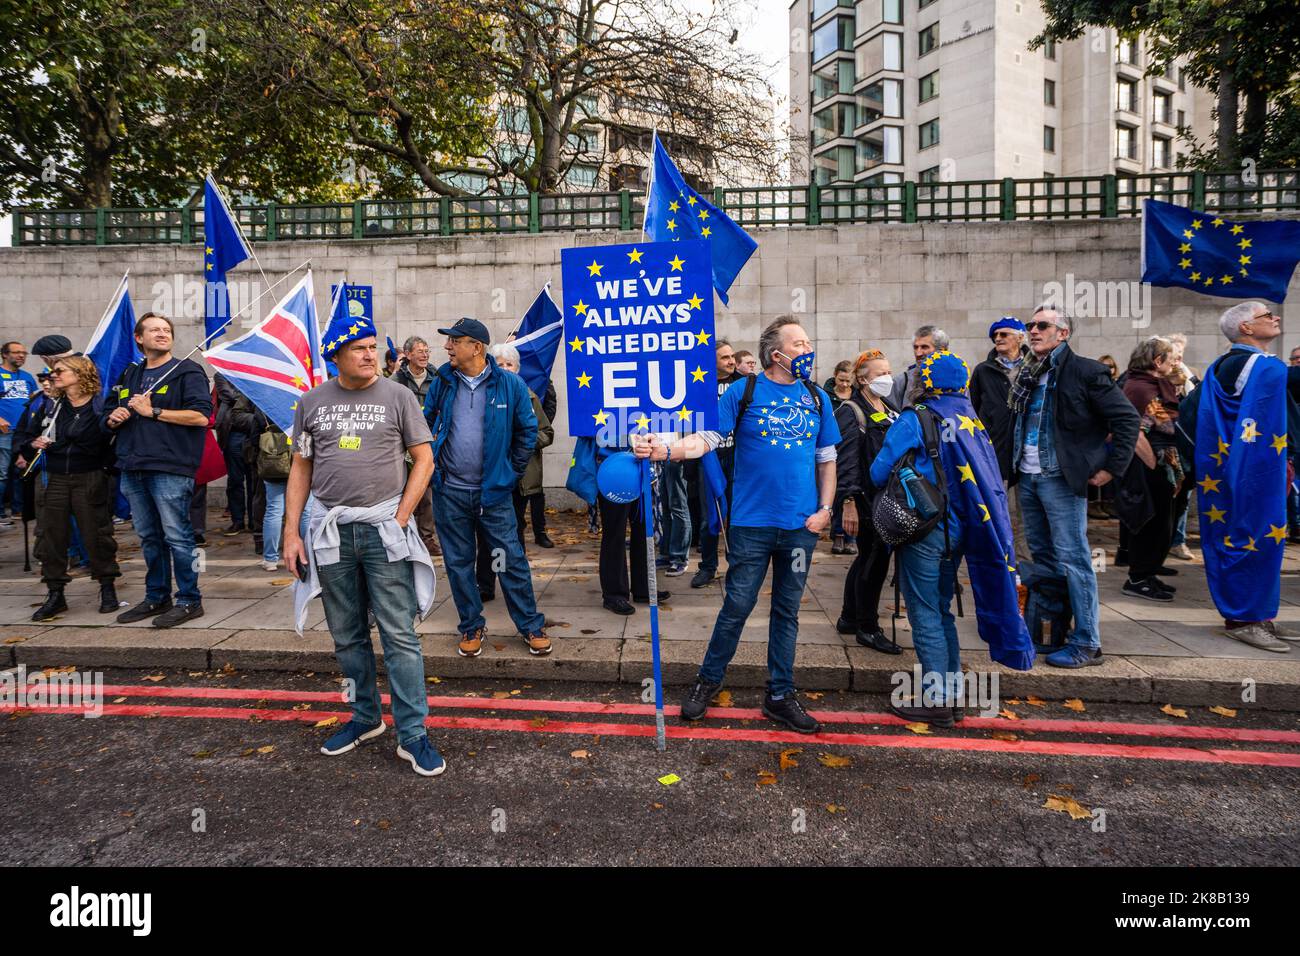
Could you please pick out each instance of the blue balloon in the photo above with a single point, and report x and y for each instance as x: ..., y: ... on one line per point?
x: 619, y: 478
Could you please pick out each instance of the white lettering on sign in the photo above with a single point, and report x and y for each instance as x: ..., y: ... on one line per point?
x: 613, y: 380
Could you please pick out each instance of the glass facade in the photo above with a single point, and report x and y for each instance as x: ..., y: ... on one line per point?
x: 833, y: 166
x: 834, y: 34
x: 835, y: 120
x: 929, y: 87
x: 882, y: 98
x: 927, y: 39
x: 835, y: 77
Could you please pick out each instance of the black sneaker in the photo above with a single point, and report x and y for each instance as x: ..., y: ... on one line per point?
x: 845, y: 626
x: 619, y: 605
x: 258, y: 542
x: 877, y: 641
x: 934, y: 716
x: 544, y: 540
x: 702, y: 578
x: 1164, y: 587
x: 790, y: 713
x: 107, y: 597
x: 696, y: 701
x: 55, y: 603
x: 1148, y: 588
x: 145, y: 608
x: 233, y: 530
x: 200, y: 538
x: 178, y: 615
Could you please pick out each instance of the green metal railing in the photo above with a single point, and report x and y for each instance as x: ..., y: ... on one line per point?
x: 992, y: 200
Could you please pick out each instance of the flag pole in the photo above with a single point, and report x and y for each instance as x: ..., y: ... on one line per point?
x: 652, y: 586
x: 649, y: 188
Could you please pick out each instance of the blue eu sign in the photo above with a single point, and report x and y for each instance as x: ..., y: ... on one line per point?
x: 638, y: 331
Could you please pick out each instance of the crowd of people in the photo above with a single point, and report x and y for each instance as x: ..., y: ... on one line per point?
x: 395, y: 461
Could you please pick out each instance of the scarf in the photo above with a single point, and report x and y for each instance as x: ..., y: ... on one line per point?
x: 1023, y: 385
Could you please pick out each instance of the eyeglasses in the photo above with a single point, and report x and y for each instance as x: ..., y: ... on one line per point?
x: 1263, y: 315
x: 1040, y: 326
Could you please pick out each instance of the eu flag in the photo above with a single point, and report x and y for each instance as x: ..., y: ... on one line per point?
x: 715, y: 492
x: 673, y: 211
x: 112, y: 348
x: 223, y: 249
x: 1217, y: 256
x: 1241, y: 486
x: 537, y: 339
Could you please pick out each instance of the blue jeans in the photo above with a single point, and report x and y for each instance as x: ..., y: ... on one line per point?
x: 677, y: 514
x: 1056, y: 530
x: 160, y: 508
x: 6, y: 462
x: 455, y: 512
x: 928, y: 581
x: 363, y: 568
x: 748, y: 552
x: 273, y: 519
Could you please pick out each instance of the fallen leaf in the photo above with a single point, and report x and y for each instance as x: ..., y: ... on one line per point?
x: 580, y: 754
x: 787, y: 759
x: 1073, y: 807
x: 515, y: 693
x: 14, y: 640
x: 1076, y: 705
x: 247, y: 753
x: 723, y: 698
x: 1223, y: 711
x: 834, y: 808
x: 537, y: 723
x: 1013, y: 702
x: 1030, y: 780
x: 918, y: 728
x: 834, y: 761
x: 499, y: 647
x: 327, y: 722
x: 302, y: 706
x: 203, y: 753
x: 500, y: 694
x: 383, y: 824
x: 156, y: 677
x: 656, y: 806
x: 281, y: 582
x: 433, y: 680
x: 59, y: 670
x: 229, y: 668
x: 814, y: 695
x: 119, y: 700
x: 765, y: 778
x: 1004, y: 735
x: 669, y: 779
x: 1008, y: 714
x: 1033, y: 701
x: 1173, y: 711
x: 195, y: 674
x: 267, y: 749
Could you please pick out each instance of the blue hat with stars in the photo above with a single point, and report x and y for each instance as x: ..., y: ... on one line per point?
x: 344, y: 329
x: 944, y: 373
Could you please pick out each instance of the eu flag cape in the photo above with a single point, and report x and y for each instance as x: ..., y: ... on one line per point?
x: 978, y: 499
x: 1241, y: 489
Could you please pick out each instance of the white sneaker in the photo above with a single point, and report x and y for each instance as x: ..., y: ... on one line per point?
x: 270, y: 565
x: 1257, y: 635
x: 1182, y: 552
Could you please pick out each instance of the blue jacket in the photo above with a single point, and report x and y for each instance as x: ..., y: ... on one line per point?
x: 509, y: 427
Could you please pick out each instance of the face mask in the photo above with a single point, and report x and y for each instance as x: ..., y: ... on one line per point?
x: 882, y: 385
x: 801, y: 367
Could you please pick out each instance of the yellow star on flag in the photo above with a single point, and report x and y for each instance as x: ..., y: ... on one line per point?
x: 1244, y: 244
x: 1196, y: 224
x: 1214, y: 514
x: 601, y: 417
x: 208, y: 251
x: 1251, y: 545
x: 1209, y: 485
x: 1277, y: 533
x: 673, y: 206
x: 1248, y: 431
x: 683, y: 413
x: 706, y: 232
x: 594, y: 268
x: 584, y: 380
x: 1279, y: 443
x: 691, y: 200
x: 1187, y: 233
x: 1244, y: 260
x: 695, y: 301
x: 1226, y: 280
x: 1227, y: 541
x: 1209, y: 280
x: 1196, y: 277
x: 672, y: 225
x: 635, y: 255
x: 575, y: 345
x: 641, y: 422
x: 698, y: 374
x: 677, y: 262
x: 299, y: 381
x: 1185, y: 247
x: 967, y: 473
x: 209, y: 266
x: 967, y: 424
x: 1217, y: 223
x: 984, y: 509
x: 1185, y: 263
x: 580, y: 307
x: 704, y: 214
x: 1236, y: 230
x: 702, y: 337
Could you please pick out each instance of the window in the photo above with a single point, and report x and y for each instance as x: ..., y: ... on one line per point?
x: 582, y: 176
x: 833, y: 166
x: 1049, y: 50
x: 1126, y: 51
x: 928, y: 176
x: 1182, y: 80
x: 835, y: 34
x: 1160, y: 152
x: 927, y: 39
x: 514, y: 118
x: 835, y: 77
x: 587, y: 104
x: 893, y: 51
x: 1182, y: 118
x: 929, y: 86
x: 891, y: 11
x: 1125, y: 95
x: 882, y: 145
x: 1049, y: 138
x: 833, y: 121
x: 884, y: 51
x: 881, y: 98
x: 469, y: 182
x: 1163, y: 108
x: 822, y: 7
x: 924, y: 3
x: 1049, y: 92
x: 929, y: 134
x: 1125, y: 142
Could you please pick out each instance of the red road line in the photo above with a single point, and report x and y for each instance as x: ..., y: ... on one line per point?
x: 1038, y: 725
x: 892, y: 741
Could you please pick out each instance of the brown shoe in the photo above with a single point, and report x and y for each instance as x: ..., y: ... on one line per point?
x: 471, y: 644
x: 538, y: 644
x: 435, y: 549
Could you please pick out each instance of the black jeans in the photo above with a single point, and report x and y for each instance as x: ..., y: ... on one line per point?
x: 240, y: 479
x: 1148, y: 547
x: 536, y: 508
x: 867, y: 574
x: 85, y: 497
x: 614, y: 521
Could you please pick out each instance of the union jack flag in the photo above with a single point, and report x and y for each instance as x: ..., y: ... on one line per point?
x: 277, y: 360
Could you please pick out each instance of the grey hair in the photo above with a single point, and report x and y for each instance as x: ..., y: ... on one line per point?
x: 1144, y: 356
x: 1063, y: 321
x: 1230, y: 321
x: 770, y: 340
x: 412, y: 342
x: 1178, y: 338
x: 939, y: 336
x: 504, y: 350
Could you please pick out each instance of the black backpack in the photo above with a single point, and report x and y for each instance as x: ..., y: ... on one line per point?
x: 910, y: 505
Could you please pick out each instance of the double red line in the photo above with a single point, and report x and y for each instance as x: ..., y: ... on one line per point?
x: 1186, y: 732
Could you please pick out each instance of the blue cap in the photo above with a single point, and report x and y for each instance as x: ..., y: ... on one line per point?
x: 1007, y: 322
x: 470, y: 327
x: 619, y: 478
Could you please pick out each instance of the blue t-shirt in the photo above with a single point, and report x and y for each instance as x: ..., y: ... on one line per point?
x: 15, y: 389
x: 775, y: 482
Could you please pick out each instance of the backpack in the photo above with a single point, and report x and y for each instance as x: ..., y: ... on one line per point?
x: 910, y: 505
x: 273, y: 456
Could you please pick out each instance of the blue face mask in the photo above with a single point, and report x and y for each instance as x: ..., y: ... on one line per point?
x: 802, y: 367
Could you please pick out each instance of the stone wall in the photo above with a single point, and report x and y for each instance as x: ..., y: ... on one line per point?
x: 860, y: 286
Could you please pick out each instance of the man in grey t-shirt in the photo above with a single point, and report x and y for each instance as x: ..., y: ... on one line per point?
x: 351, y: 436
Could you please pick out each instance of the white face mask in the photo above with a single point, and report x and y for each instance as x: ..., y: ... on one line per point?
x: 882, y: 385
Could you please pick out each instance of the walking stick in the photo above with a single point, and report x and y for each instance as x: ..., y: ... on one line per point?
x: 27, y: 557
x: 653, y: 592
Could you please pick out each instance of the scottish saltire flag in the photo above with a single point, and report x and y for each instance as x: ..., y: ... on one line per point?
x: 973, y: 479
x: 537, y: 339
x: 224, y: 248
x: 112, y: 347
x: 673, y: 210
x: 1241, y: 488
x: 1217, y: 256
x: 273, y: 363
x: 715, y: 492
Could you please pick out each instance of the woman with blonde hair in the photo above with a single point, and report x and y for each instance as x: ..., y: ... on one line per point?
x: 75, y: 456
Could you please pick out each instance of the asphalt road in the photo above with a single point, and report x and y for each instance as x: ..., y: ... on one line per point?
x: 132, y: 790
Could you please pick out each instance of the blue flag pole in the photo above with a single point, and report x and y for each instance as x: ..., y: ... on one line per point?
x: 653, y: 591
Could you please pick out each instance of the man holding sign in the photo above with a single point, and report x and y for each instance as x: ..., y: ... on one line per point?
x: 784, y: 482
